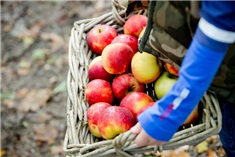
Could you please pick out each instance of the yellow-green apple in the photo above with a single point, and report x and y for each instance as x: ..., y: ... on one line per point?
x: 145, y: 107
x: 100, y: 36
x: 124, y: 84
x: 93, y: 115
x: 163, y: 84
x: 135, y: 101
x: 145, y: 67
x: 99, y: 90
x: 130, y: 40
x: 115, y: 120
x: 171, y: 69
x: 116, y: 58
x: 135, y: 24
x: 97, y: 71
x: 193, y: 116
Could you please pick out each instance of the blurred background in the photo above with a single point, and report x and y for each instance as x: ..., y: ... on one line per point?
x: 34, y: 66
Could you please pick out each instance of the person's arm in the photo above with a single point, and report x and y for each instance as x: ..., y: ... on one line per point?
x: 198, y: 69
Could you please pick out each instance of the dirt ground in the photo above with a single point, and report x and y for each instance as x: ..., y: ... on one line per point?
x: 34, y: 67
x: 34, y: 44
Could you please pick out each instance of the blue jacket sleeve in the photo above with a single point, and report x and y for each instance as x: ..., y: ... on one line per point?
x: 198, y: 69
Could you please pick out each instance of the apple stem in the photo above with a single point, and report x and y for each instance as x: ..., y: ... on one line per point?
x: 130, y: 89
x: 172, y: 76
x: 99, y: 30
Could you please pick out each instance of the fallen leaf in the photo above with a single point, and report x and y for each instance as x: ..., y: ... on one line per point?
x: 39, y: 117
x: 9, y: 103
x: 212, y: 139
x: 22, y: 93
x: 211, y: 153
x: 25, y: 124
x: 39, y: 54
x: 22, y: 72
x: 45, y: 133
x: 24, y: 64
x: 202, y: 147
x: 175, y: 153
x: 58, y: 149
x: 27, y: 41
x: 62, y: 87
x: 35, y: 99
x: 7, y: 95
x: 221, y: 152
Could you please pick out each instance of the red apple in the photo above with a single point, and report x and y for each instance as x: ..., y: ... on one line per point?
x: 145, y: 67
x: 135, y: 24
x: 193, y: 116
x: 130, y: 40
x: 145, y: 107
x: 163, y: 84
x: 97, y: 71
x: 99, y: 90
x: 171, y: 69
x: 135, y: 101
x: 115, y: 120
x: 93, y: 115
x: 116, y: 58
x: 100, y: 36
x: 124, y: 84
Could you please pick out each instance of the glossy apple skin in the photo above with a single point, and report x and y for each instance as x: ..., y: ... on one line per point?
x: 93, y: 115
x: 171, y: 69
x: 135, y: 24
x: 99, y: 90
x: 145, y: 67
x: 130, y: 40
x: 100, y: 36
x: 116, y: 58
x: 145, y: 107
x: 163, y: 84
x: 124, y: 84
x: 135, y: 101
x: 115, y: 120
x: 97, y: 71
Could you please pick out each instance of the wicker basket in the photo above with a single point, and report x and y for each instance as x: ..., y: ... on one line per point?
x: 78, y: 140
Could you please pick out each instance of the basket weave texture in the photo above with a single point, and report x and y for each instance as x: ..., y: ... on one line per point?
x: 78, y: 140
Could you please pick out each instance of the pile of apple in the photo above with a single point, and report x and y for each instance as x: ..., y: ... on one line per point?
x: 116, y: 91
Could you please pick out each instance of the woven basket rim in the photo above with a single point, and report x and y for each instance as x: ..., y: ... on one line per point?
x: 78, y: 141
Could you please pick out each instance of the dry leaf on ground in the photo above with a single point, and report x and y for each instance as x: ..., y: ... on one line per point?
x: 9, y: 103
x: 35, y: 99
x: 57, y: 149
x: 40, y: 117
x: 175, y: 153
x: 22, y: 93
x: 211, y: 153
x: 202, y: 147
x: 45, y: 133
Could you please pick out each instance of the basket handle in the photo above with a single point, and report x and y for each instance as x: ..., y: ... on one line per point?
x: 118, y: 11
